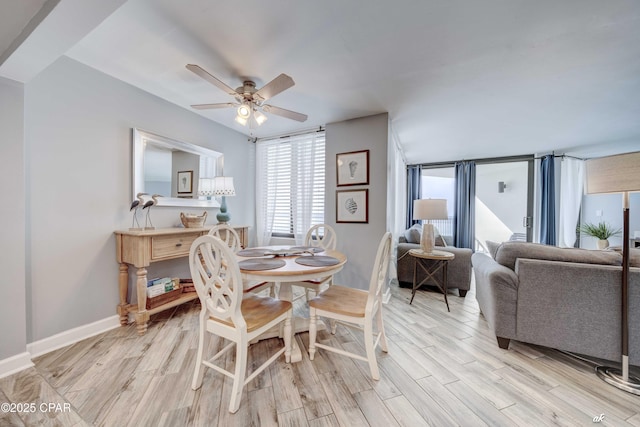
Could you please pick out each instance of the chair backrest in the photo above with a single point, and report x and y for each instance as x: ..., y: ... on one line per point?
x: 216, y: 277
x: 321, y: 235
x: 380, y: 268
x: 228, y: 235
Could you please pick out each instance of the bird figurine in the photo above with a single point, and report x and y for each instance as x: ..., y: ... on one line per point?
x: 148, y: 225
x: 135, y: 225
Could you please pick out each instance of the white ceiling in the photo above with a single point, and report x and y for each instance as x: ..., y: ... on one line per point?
x: 459, y: 79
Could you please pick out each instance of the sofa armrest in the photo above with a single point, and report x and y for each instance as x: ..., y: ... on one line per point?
x: 497, y: 294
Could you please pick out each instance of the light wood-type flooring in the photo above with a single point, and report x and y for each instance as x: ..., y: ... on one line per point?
x: 442, y: 369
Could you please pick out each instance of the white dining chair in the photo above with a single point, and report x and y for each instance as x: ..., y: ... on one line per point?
x: 355, y: 308
x: 228, y: 234
x: 319, y: 236
x: 231, y: 314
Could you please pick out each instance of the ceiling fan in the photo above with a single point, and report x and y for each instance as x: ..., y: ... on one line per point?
x: 250, y: 102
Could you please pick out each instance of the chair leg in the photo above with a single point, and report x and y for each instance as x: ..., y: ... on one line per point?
x: 334, y: 326
x: 383, y: 336
x: 371, y: 351
x: 288, y: 337
x: 313, y: 330
x: 198, y: 373
x: 242, y: 349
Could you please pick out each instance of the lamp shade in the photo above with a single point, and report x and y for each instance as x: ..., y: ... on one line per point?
x: 430, y: 209
x: 205, y: 187
x: 614, y: 174
x: 223, y: 186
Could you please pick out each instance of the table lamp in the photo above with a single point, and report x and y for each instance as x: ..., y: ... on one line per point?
x: 223, y: 186
x: 618, y: 174
x: 429, y: 209
x: 205, y: 187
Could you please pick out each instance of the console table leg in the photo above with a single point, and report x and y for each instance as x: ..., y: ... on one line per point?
x: 141, y: 287
x: 124, y: 290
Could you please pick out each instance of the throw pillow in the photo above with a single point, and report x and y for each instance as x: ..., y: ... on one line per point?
x: 492, y: 247
x: 413, y: 234
x: 439, y: 240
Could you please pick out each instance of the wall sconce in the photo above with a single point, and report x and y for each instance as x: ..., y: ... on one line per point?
x: 501, y: 186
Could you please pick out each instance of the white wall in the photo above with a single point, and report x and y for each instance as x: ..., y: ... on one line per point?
x: 12, y: 217
x: 611, y: 207
x: 509, y: 207
x: 78, y: 142
x: 359, y: 241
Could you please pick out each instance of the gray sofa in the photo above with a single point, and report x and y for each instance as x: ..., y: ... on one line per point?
x: 568, y: 299
x: 458, y: 270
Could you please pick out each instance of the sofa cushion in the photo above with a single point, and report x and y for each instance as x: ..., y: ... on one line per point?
x: 508, y: 252
x: 492, y: 247
x: 634, y: 255
x: 414, y: 235
x: 438, y: 238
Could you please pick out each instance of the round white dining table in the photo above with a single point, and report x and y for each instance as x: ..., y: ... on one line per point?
x: 289, y: 273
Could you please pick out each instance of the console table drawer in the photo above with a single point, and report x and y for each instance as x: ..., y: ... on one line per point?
x: 171, y: 246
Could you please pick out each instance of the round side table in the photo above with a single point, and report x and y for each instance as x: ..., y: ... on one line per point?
x: 441, y: 260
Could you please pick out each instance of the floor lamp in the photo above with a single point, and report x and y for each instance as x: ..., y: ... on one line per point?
x: 618, y: 174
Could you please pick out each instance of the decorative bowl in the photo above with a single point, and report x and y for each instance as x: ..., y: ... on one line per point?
x: 193, y: 221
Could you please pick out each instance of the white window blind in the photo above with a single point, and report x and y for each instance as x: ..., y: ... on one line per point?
x: 290, y: 185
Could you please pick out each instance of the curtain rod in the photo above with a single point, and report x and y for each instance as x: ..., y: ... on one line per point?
x: 560, y: 155
x: 302, y: 132
x: 479, y: 160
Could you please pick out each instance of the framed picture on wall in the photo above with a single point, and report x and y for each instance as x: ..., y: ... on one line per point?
x: 352, y: 206
x: 352, y: 168
x: 185, y: 182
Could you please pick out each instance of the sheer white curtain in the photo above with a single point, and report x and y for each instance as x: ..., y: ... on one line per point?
x: 290, y: 174
x: 396, y: 202
x: 265, y: 206
x: 571, y: 191
x: 307, y: 183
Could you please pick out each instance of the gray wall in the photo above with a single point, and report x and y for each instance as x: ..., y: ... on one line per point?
x: 359, y: 241
x: 12, y: 217
x: 78, y: 141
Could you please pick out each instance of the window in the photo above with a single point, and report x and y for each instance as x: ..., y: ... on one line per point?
x: 290, y: 184
x: 439, y: 183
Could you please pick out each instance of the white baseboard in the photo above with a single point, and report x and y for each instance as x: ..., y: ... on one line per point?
x: 72, y: 336
x: 14, y: 364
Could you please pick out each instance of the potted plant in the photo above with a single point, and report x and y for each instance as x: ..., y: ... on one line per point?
x: 601, y: 231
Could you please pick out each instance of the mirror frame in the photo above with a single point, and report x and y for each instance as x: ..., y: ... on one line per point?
x: 139, y: 137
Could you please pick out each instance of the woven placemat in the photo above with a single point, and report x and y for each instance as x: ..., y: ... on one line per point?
x: 261, y: 264
x: 252, y: 252
x: 317, y: 261
x: 310, y: 249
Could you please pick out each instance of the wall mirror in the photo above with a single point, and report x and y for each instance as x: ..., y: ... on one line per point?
x: 172, y: 169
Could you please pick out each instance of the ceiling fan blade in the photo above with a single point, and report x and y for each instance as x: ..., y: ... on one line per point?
x: 213, y: 106
x: 274, y: 87
x: 285, y: 113
x: 211, y: 79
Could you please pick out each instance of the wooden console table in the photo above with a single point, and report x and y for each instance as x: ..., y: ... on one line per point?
x: 140, y: 248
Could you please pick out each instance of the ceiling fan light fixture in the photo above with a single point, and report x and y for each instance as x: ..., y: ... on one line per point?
x: 244, y: 111
x: 260, y: 118
x: 241, y: 120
